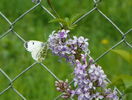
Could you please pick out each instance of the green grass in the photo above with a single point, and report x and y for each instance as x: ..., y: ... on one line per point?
x: 37, y: 83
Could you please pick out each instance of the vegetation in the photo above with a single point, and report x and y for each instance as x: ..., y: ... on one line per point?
x: 37, y: 83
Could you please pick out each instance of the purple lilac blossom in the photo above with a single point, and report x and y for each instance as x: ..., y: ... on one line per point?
x: 111, y: 95
x: 63, y: 33
x: 70, y: 49
x: 64, y: 87
x: 57, y: 45
x: 90, y: 80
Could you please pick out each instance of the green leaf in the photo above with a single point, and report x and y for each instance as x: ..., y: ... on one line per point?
x: 128, y: 90
x: 72, y: 26
x: 124, y: 54
x: 75, y: 17
x: 119, y: 83
x: 60, y: 20
x: 66, y: 22
x: 127, y: 79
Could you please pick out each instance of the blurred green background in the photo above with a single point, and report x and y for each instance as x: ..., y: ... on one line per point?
x: 37, y: 83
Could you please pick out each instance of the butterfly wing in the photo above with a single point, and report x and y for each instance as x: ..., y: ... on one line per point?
x: 42, y: 53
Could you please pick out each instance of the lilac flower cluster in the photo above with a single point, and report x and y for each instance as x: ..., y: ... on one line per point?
x: 57, y: 42
x: 90, y: 80
x: 70, y: 49
x: 64, y: 87
x: 111, y: 95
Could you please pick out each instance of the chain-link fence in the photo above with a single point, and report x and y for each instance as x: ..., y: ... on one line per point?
x: 11, y: 29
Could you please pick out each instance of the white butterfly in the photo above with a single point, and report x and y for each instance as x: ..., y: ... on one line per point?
x: 38, y: 49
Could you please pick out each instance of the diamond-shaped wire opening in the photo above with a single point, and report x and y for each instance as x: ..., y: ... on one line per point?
x: 10, y: 95
x: 82, y: 7
x: 49, y: 61
x: 19, y: 9
x: 10, y: 86
x: 117, y: 61
x: 4, y: 25
x: 4, y: 31
x: 35, y: 79
x: 35, y: 27
x: 4, y: 82
x: 11, y: 54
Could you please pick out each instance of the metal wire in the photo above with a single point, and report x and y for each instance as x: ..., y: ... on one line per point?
x: 11, y: 29
x: 11, y: 81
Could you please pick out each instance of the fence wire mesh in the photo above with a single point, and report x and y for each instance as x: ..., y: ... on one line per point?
x: 11, y: 30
